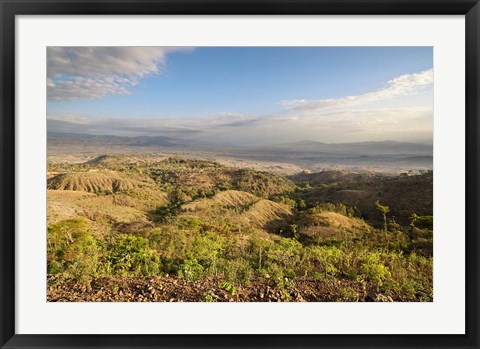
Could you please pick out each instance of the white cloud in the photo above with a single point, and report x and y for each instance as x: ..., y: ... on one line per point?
x: 411, y: 124
x: 403, y: 85
x: 75, y: 119
x: 401, y: 124
x: 96, y: 72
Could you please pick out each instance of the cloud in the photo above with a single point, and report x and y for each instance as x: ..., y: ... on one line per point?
x: 228, y: 119
x: 411, y: 124
x: 122, y: 127
x: 403, y: 85
x: 96, y: 72
x: 74, y: 119
x: 400, y: 124
x: 180, y: 126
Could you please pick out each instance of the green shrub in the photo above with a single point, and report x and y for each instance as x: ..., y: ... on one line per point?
x: 72, y: 249
x: 170, y: 243
x: 206, y: 249
x: 285, y: 252
x: 236, y: 270
x: 325, y: 260
x: 347, y: 295
x: 191, y: 269
x: 229, y: 288
x: 131, y: 255
x: 374, y: 270
x: 191, y: 223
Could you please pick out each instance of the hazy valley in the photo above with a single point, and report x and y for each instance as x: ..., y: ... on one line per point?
x: 383, y: 157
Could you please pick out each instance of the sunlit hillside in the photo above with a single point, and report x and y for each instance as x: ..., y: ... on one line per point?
x: 135, y: 228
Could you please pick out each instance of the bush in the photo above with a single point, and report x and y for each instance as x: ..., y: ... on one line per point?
x: 347, y: 295
x: 170, y: 243
x: 131, y: 255
x: 237, y: 270
x: 285, y: 252
x: 375, y: 271
x: 191, y: 269
x: 72, y: 249
x: 206, y: 249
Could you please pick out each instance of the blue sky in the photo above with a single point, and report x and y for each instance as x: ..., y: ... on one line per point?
x: 372, y: 92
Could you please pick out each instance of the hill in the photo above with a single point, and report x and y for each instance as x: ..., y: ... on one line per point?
x: 330, y: 177
x: 227, y: 198
x: 196, y: 230
x: 245, y: 208
x: 95, y: 182
x: 404, y: 194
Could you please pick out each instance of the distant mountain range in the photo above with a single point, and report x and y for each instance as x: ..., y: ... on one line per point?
x: 367, y: 148
x: 56, y: 138
x: 355, y: 149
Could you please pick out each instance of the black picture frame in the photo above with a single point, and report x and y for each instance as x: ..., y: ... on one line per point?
x: 10, y: 8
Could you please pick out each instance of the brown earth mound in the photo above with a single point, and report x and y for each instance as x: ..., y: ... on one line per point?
x: 325, y: 225
x: 233, y: 198
x: 268, y: 214
x: 245, y: 207
x: 94, y: 182
x: 114, y: 208
x: 228, y: 198
x: 334, y: 220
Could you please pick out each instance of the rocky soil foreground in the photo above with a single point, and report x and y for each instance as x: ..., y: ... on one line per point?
x: 172, y: 289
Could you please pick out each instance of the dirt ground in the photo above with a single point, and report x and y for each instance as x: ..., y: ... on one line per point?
x: 174, y: 289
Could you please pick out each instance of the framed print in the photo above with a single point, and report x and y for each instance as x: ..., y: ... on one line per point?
x: 191, y: 174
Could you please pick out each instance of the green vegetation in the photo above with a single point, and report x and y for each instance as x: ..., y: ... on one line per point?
x: 199, y: 220
x: 383, y: 210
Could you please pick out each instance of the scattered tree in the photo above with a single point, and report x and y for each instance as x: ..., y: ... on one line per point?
x: 383, y: 210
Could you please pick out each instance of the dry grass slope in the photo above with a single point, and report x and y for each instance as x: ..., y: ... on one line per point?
x: 233, y: 198
x: 66, y: 204
x: 94, y: 182
x: 268, y: 214
x: 121, y: 207
x: 333, y: 219
x: 228, y: 198
x: 326, y: 225
x: 245, y: 207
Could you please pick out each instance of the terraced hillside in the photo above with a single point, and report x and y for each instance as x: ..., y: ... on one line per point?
x: 128, y: 228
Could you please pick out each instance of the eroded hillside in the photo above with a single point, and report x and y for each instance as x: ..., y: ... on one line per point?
x: 195, y: 230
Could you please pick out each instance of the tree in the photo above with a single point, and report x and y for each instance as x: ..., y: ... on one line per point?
x: 383, y: 210
x: 413, y: 218
x: 294, y: 228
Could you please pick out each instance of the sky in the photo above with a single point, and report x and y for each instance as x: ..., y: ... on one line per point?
x: 243, y: 95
